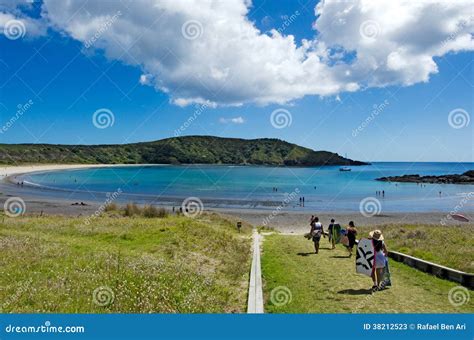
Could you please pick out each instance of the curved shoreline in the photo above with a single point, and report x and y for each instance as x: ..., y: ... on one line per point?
x: 40, y: 200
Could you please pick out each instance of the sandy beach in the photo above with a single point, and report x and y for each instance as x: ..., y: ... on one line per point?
x: 40, y: 202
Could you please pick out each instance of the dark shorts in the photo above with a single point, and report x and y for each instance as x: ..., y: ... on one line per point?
x: 352, y: 240
x: 316, y: 239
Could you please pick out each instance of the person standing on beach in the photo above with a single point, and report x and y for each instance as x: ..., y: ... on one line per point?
x: 351, y: 235
x: 331, y: 235
x: 381, y: 254
x: 316, y: 231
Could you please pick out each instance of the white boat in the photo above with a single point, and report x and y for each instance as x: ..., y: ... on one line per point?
x: 344, y: 168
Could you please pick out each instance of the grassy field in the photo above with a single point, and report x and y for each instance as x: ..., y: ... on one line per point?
x: 451, y: 246
x: 327, y: 283
x: 123, y: 264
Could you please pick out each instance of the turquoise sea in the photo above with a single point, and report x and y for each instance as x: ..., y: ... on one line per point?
x: 324, y: 188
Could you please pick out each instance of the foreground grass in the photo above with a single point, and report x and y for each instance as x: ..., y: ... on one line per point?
x: 451, y: 246
x: 123, y: 264
x: 328, y: 283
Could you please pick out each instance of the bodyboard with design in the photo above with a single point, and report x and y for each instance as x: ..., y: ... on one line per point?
x: 365, y: 259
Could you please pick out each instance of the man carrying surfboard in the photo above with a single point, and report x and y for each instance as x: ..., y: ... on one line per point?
x: 316, y: 231
x: 331, y: 231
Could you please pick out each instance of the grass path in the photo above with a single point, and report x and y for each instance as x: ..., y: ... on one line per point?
x: 327, y: 283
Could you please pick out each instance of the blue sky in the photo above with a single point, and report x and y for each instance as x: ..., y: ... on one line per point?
x: 66, y: 83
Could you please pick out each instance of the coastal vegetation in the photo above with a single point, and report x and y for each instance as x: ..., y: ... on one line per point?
x: 112, y: 263
x: 178, y: 150
x: 464, y: 178
x: 298, y: 281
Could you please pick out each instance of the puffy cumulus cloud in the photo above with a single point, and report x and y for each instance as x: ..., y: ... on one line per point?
x: 395, y: 41
x: 201, y: 51
x: 208, y: 52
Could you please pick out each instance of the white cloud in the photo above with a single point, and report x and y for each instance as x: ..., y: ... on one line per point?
x: 223, y: 59
x: 236, y: 120
x: 146, y: 79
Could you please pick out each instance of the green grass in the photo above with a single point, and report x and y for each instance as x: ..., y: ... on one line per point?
x: 451, y: 246
x: 328, y: 283
x: 159, y: 265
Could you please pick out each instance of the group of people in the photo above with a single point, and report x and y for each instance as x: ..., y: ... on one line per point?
x: 381, y: 252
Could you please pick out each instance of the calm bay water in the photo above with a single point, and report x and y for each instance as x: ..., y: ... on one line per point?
x: 324, y: 188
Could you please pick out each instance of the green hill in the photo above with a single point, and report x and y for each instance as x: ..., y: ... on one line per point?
x: 179, y: 150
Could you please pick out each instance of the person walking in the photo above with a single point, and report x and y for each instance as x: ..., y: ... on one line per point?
x: 332, y: 240
x: 381, y: 252
x: 351, y: 235
x: 316, y: 231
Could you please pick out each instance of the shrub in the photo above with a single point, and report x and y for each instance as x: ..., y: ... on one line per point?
x: 111, y: 207
x: 151, y: 211
x: 131, y: 209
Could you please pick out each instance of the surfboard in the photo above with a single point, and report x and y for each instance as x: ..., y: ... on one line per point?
x: 365, y: 259
x: 336, y: 233
x: 459, y: 217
